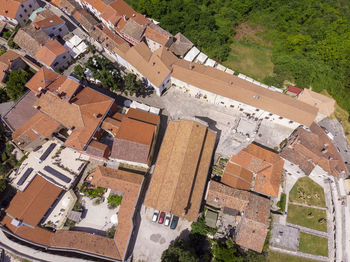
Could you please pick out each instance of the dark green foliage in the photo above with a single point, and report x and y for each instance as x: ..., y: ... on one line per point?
x: 92, y: 192
x: 310, y: 38
x: 2, y: 185
x: 15, y: 86
x: 114, y: 201
x: 12, y: 44
x: 225, y: 251
x: 200, y: 227
x: 3, y: 96
x: 2, y: 51
x: 282, y: 203
x: 7, y: 34
x: 69, y: 223
x: 103, y: 70
x: 110, y: 232
x: 79, y: 72
x: 131, y: 84
x: 180, y: 251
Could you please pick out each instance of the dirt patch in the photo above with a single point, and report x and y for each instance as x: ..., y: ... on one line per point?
x: 251, y: 34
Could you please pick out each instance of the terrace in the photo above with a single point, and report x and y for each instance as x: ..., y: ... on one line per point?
x: 58, y: 164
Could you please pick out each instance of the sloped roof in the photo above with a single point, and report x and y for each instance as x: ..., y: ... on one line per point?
x: 230, y: 86
x: 9, y: 8
x: 69, y: 5
x: 85, y: 19
x: 324, y: 103
x: 42, y: 79
x: 97, y: 149
x: 149, y: 65
x: 143, y: 116
x: 30, y: 205
x: 294, y: 90
x: 181, y: 46
x: 30, y: 39
x: 266, y: 165
x: 310, y: 148
x: 46, y: 18
x: 112, y: 125
x: 255, y: 221
x: 6, y: 60
x: 83, y: 113
x: 133, y: 141
x: 181, y: 171
x: 157, y: 34
x: 48, y: 53
x: 38, y: 125
x: 133, y: 30
x: 128, y: 183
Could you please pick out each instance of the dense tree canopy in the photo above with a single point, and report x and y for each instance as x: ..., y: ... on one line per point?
x: 310, y: 38
x: 15, y: 85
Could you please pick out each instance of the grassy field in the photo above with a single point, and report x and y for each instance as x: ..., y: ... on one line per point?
x: 250, y: 59
x: 307, y: 217
x: 312, y: 244
x: 279, y: 257
x: 308, y: 192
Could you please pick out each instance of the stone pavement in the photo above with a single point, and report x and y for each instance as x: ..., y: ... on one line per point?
x: 299, y: 254
x: 309, y: 230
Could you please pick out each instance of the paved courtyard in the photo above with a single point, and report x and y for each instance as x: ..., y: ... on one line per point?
x: 224, y: 121
x: 97, y: 217
x: 154, y: 238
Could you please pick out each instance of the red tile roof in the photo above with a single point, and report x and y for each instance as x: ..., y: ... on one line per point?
x: 129, y: 184
x: 266, y: 165
x: 294, y: 90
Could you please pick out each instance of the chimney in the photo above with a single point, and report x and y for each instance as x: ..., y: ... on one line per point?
x: 191, y: 66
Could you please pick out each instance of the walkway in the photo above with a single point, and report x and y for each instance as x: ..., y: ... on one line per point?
x: 305, y: 205
x: 309, y: 230
x: 299, y: 254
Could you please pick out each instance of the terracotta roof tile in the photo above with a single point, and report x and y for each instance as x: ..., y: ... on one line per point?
x: 130, y: 185
x: 47, y: 22
x: 181, y: 46
x: 30, y: 39
x: 85, y: 19
x: 112, y: 125
x: 98, y: 149
x: 310, y: 148
x: 48, y: 53
x: 30, y: 205
x: 230, y: 86
x: 251, y: 233
x: 38, y: 125
x: 294, y: 90
x: 99, y: 5
x: 9, y: 8
x: 69, y: 6
x: 42, y: 79
x: 266, y: 165
x: 143, y: 116
x: 181, y: 171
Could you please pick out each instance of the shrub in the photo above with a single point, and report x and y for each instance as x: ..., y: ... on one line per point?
x: 110, y: 232
x: 282, y: 203
x: 114, y: 201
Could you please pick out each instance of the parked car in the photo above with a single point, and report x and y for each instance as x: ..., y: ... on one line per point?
x: 174, y: 222
x: 167, y: 220
x: 155, y: 216
x: 161, y: 218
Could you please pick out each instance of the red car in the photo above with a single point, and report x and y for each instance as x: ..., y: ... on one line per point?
x: 161, y: 218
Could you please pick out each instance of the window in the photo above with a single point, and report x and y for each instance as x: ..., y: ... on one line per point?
x: 290, y: 122
x: 20, y: 16
x: 54, y: 28
x: 64, y: 57
x: 60, y: 29
x: 280, y: 117
x: 232, y: 106
x: 222, y: 102
x: 25, y: 10
x: 257, y: 109
x: 30, y: 6
x: 55, y: 64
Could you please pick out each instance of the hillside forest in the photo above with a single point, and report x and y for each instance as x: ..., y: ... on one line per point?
x: 309, y: 40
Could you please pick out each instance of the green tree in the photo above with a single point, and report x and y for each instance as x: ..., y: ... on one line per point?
x: 15, y: 86
x: 225, y: 251
x: 131, y: 83
x: 79, y: 72
x: 110, y: 232
x: 201, y: 227
x: 2, y: 185
x: 114, y: 200
x: 179, y: 251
